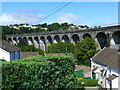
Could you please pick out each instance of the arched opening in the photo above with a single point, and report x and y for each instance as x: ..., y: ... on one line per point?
x: 75, y: 38
x: 19, y: 38
x: 24, y: 38
x: 49, y: 40
x: 56, y: 39
x: 101, y: 39
x: 36, y: 42
x: 86, y: 35
x: 42, y: 43
x: 10, y: 40
x: 65, y: 38
x: 15, y: 41
x: 30, y: 41
x: 116, y: 38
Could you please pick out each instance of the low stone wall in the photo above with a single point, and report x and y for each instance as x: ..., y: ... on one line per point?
x: 29, y: 54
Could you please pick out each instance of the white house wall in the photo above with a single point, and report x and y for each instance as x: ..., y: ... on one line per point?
x: 4, y: 55
x: 115, y: 82
x: 110, y: 71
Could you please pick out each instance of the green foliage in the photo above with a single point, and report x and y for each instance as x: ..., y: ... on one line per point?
x: 41, y: 52
x: 22, y: 42
x: 40, y: 28
x: 39, y: 72
x: 87, y: 63
x: 85, y: 49
x: 61, y: 47
x: 91, y: 82
x: 27, y: 48
x: 3, y: 60
x: 30, y: 48
x: 88, y: 82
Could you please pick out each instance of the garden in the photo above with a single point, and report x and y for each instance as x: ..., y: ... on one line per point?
x: 85, y: 81
x: 39, y: 72
x: 54, y: 71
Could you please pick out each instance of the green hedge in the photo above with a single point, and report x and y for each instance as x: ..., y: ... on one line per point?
x: 3, y: 60
x: 39, y: 72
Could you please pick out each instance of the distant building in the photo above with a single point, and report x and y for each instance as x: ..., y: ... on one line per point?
x: 105, y: 66
x: 9, y: 52
x: 77, y: 28
x: 24, y: 25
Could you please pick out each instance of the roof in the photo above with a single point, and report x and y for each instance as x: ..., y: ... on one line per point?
x: 109, y: 57
x: 112, y: 77
x: 29, y: 54
x: 8, y: 47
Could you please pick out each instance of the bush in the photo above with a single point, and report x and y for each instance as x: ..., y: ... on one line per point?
x: 3, y: 60
x: 30, y: 48
x: 39, y: 72
x: 91, y: 82
x: 41, y: 52
x: 61, y: 47
x: 85, y: 49
x: 87, y: 82
x: 87, y: 63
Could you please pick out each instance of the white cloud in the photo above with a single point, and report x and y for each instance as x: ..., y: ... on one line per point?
x: 68, y: 17
x: 19, y: 17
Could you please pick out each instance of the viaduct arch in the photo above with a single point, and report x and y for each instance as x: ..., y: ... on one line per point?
x: 102, y: 36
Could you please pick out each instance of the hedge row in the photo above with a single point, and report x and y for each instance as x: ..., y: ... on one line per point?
x: 39, y: 72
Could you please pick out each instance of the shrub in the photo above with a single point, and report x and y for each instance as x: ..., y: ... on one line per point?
x: 41, y: 52
x: 3, y: 60
x: 88, y: 82
x: 85, y: 49
x: 91, y: 82
x: 39, y: 72
x: 87, y: 63
x: 61, y: 47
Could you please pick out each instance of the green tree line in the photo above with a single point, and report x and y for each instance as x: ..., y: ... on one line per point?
x: 82, y: 50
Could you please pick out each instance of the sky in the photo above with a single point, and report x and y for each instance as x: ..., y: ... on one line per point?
x: 79, y: 13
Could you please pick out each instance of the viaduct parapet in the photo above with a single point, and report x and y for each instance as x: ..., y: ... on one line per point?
x: 105, y: 35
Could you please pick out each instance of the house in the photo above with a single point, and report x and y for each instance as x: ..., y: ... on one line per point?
x: 77, y: 28
x: 9, y: 52
x: 105, y: 66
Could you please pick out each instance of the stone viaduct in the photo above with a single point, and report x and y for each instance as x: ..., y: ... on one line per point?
x: 102, y: 36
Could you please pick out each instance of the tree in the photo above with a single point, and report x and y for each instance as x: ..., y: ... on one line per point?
x: 85, y: 49
x: 61, y: 47
x: 22, y: 42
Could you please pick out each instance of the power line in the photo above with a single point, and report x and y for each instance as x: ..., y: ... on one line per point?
x: 53, y: 12
x: 49, y: 12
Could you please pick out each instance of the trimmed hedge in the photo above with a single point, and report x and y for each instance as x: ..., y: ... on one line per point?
x: 39, y: 72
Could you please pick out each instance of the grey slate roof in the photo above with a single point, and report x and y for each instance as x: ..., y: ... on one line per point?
x: 8, y: 47
x: 109, y: 57
x: 112, y: 77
